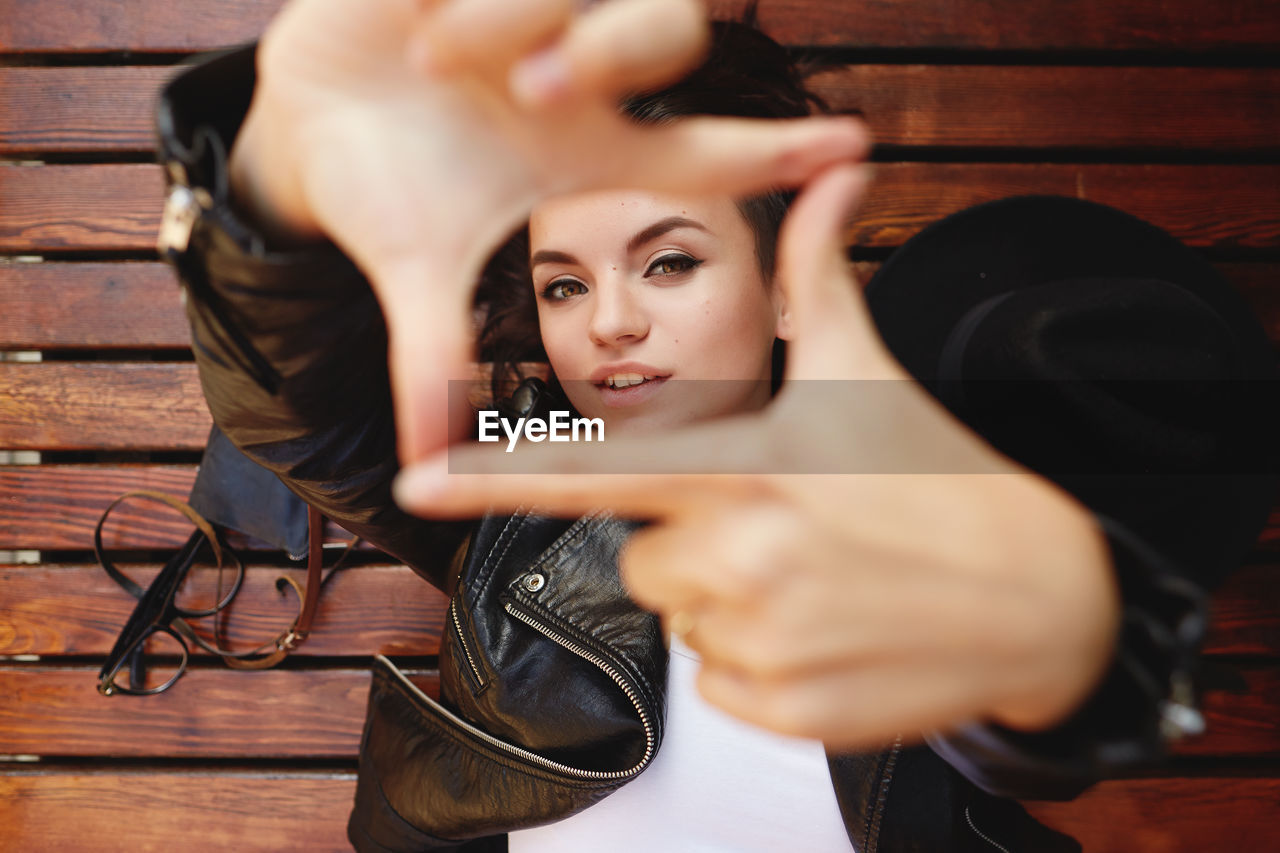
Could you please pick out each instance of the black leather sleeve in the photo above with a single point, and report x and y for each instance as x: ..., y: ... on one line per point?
x: 290, y: 344
x: 1143, y: 701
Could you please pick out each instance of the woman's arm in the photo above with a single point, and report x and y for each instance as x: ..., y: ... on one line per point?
x: 289, y: 340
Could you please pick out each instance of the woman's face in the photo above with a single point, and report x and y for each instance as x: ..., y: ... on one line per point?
x: 635, y: 290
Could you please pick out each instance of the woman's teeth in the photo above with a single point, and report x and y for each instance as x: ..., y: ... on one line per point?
x: 624, y: 380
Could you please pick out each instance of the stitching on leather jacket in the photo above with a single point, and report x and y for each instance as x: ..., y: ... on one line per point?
x: 573, y: 535
x: 492, y: 560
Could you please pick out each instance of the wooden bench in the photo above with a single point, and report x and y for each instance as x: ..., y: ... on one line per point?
x: 1170, y: 110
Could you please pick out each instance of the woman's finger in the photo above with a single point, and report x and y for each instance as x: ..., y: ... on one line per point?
x: 832, y: 334
x: 854, y: 707
x: 613, y: 49
x: 733, y: 156
x: 656, y: 475
x: 479, y: 35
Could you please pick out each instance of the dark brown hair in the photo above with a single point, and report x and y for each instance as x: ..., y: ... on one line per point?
x: 746, y: 74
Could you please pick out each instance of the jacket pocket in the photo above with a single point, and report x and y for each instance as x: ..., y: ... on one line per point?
x: 452, y: 780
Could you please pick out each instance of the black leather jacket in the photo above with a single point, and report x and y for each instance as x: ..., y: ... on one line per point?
x: 552, y: 682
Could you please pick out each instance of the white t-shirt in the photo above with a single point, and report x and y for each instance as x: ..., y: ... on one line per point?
x: 717, y: 784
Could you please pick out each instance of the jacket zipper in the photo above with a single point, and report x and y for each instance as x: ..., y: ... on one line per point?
x: 883, y: 781
x: 609, y: 670
x: 969, y: 818
x: 466, y: 650
x: 518, y: 752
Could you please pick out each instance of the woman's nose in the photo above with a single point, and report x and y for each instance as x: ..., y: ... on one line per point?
x: 617, y: 315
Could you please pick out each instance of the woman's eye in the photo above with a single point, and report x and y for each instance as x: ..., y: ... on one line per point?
x: 563, y: 288
x: 671, y: 265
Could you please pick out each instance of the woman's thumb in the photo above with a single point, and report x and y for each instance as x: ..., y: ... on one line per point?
x: 831, y: 335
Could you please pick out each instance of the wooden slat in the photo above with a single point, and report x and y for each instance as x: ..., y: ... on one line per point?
x: 134, y: 305
x: 1219, y: 814
x: 1205, y: 206
x: 113, y: 207
x: 1241, y: 723
x: 87, y: 208
x: 102, y: 406
x: 211, y: 713
x: 1019, y: 24
x: 55, y: 507
x: 101, y: 306
x: 52, y: 610
x: 139, y: 25
x: 1245, y: 612
x: 1009, y: 107
x: 56, y: 610
x: 269, y: 812
x: 78, y: 109
x: 114, y: 811
x: 158, y: 26
x: 219, y: 712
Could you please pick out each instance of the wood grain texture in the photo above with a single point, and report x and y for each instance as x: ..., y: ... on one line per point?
x: 112, y: 811
x: 1220, y: 814
x: 50, y: 306
x: 110, y: 207
x: 113, y: 207
x: 218, y: 712
x: 158, y: 26
x: 78, y: 109
x: 136, y: 305
x: 51, y: 610
x: 1046, y: 108
x: 146, y: 26
x: 1041, y: 25
x: 84, y: 109
x: 102, y: 406
x: 210, y: 812
x: 1205, y: 206
x: 58, y: 610
x: 55, y: 507
x: 211, y: 712
x: 1245, y: 612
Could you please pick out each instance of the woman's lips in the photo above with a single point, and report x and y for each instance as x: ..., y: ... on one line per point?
x: 631, y: 395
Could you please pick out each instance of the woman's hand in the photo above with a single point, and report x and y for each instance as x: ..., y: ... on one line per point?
x: 923, y: 582
x: 417, y: 135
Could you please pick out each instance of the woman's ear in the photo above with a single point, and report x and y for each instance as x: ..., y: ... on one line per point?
x: 782, y: 311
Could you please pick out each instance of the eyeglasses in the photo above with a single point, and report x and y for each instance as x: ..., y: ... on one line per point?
x: 158, y: 613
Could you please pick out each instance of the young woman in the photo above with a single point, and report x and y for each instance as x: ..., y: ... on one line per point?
x: 553, y: 683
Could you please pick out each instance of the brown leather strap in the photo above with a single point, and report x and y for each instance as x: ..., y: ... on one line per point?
x: 315, y: 562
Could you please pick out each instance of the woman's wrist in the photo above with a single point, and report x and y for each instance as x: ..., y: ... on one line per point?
x: 1077, y: 621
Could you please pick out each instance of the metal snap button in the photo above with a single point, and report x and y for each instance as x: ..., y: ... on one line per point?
x: 534, y: 582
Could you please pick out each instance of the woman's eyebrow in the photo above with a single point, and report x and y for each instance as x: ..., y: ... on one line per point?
x: 662, y: 226
x: 652, y: 232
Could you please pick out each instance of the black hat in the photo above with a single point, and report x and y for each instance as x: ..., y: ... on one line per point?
x: 1099, y: 350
